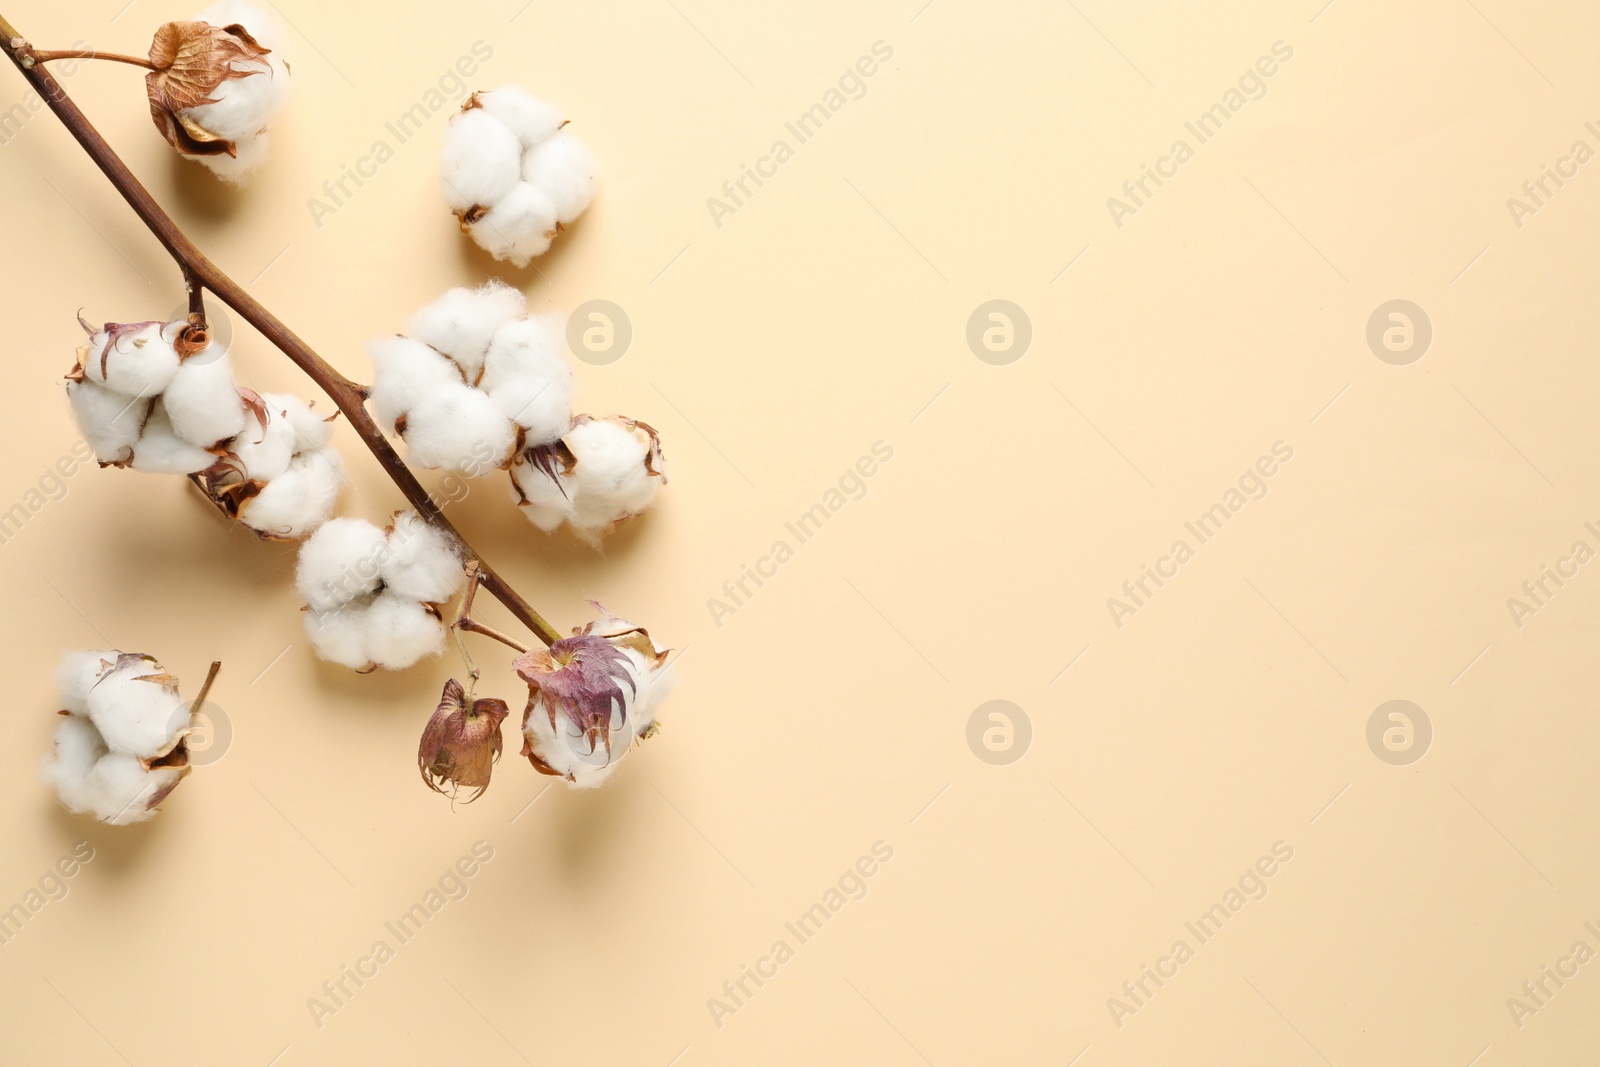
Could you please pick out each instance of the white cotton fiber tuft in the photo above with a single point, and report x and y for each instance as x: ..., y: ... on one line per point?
x: 310, y: 429
x: 422, y: 564
x: 400, y: 631
x: 610, y: 480
x: 161, y: 451
x: 76, y: 675
x: 339, y: 563
x: 405, y: 370
x: 482, y: 160
x: 531, y: 119
x: 565, y: 171
x: 264, y: 451
x: 298, y: 500
x: 203, y: 400
x: 462, y: 322
x: 137, y: 709
x: 459, y: 428
x: 70, y: 766
x: 340, y: 635
x: 108, y: 420
x: 518, y: 227
x: 137, y: 359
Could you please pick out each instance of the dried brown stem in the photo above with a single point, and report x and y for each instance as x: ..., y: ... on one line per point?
x: 205, y: 688
x: 347, y: 395
x: 41, y: 56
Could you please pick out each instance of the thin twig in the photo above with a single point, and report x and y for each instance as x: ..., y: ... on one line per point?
x: 40, y: 56
x: 205, y: 688
x: 347, y: 395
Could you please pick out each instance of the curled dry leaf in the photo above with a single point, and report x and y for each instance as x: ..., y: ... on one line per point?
x: 191, y: 60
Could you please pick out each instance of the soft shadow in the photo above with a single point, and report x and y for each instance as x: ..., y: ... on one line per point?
x: 117, y: 849
x: 203, y: 193
x: 595, y: 830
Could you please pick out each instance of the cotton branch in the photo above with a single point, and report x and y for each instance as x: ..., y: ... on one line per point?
x: 200, y: 273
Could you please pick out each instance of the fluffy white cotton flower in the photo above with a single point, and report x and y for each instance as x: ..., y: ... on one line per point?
x: 462, y: 323
x: 422, y: 563
x: 513, y: 175
x: 133, y: 358
x: 339, y: 563
x: 120, y: 747
x: 474, y: 380
x: 202, y: 400
x: 590, y: 697
x: 108, y: 420
x: 217, y: 83
x: 371, y: 594
x: 602, y: 472
x: 160, y: 450
x: 300, y: 499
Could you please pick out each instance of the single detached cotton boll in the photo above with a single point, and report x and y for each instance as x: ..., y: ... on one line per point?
x: 404, y: 371
x: 216, y: 84
x: 422, y: 563
x: 136, y: 707
x: 267, y: 443
x: 482, y: 160
x: 77, y: 674
x: 160, y: 450
x: 462, y: 322
x: 340, y: 563
x: 562, y: 168
x: 133, y: 358
x: 518, y: 227
x: 590, y: 696
x: 531, y: 119
x: 203, y: 401
x: 299, y: 500
x: 108, y: 420
x: 340, y: 634
x: 400, y: 631
x: 459, y: 428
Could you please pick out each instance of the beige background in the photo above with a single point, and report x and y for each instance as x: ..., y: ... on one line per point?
x: 830, y: 712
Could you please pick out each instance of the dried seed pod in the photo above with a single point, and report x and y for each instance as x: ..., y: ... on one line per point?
x: 461, y: 742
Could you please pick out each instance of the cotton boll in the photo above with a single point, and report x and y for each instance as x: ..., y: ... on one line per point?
x: 340, y: 562
x: 542, y: 499
x: 518, y: 227
x: 240, y: 107
x: 126, y: 793
x: 77, y: 674
x: 340, y: 636
x: 161, y: 451
x: 136, y: 359
x: 462, y: 322
x: 564, y: 169
x: 566, y: 750
x: 264, y: 451
x: 137, y: 709
x: 401, y: 631
x: 531, y: 119
x: 70, y: 766
x: 109, y: 421
x: 298, y: 500
x: 610, y: 479
x: 405, y: 371
x: 459, y: 428
x: 310, y: 429
x: 482, y: 160
x: 203, y: 401
x: 422, y: 563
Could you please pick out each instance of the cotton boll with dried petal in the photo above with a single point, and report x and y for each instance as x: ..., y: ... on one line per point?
x: 590, y: 696
x: 160, y: 450
x: 463, y: 321
x: 136, y: 707
x: 108, y: 420
x: 405, y: 370
x: 267, y: 443
x: 400, y: 631
x: 133, y: 358
x: 421, y: 563
x: 459, y: 428
x: 562, y: 168
x: 531, y: 119
x: 341, y: 562
x: 340, y: 635
x: 77, y: 674
x: 616, y: 471
x: 203, y: 400
x: 539, y: 478
x: 298, y: 500
x: 482, y: 160
x: 517, y: 228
